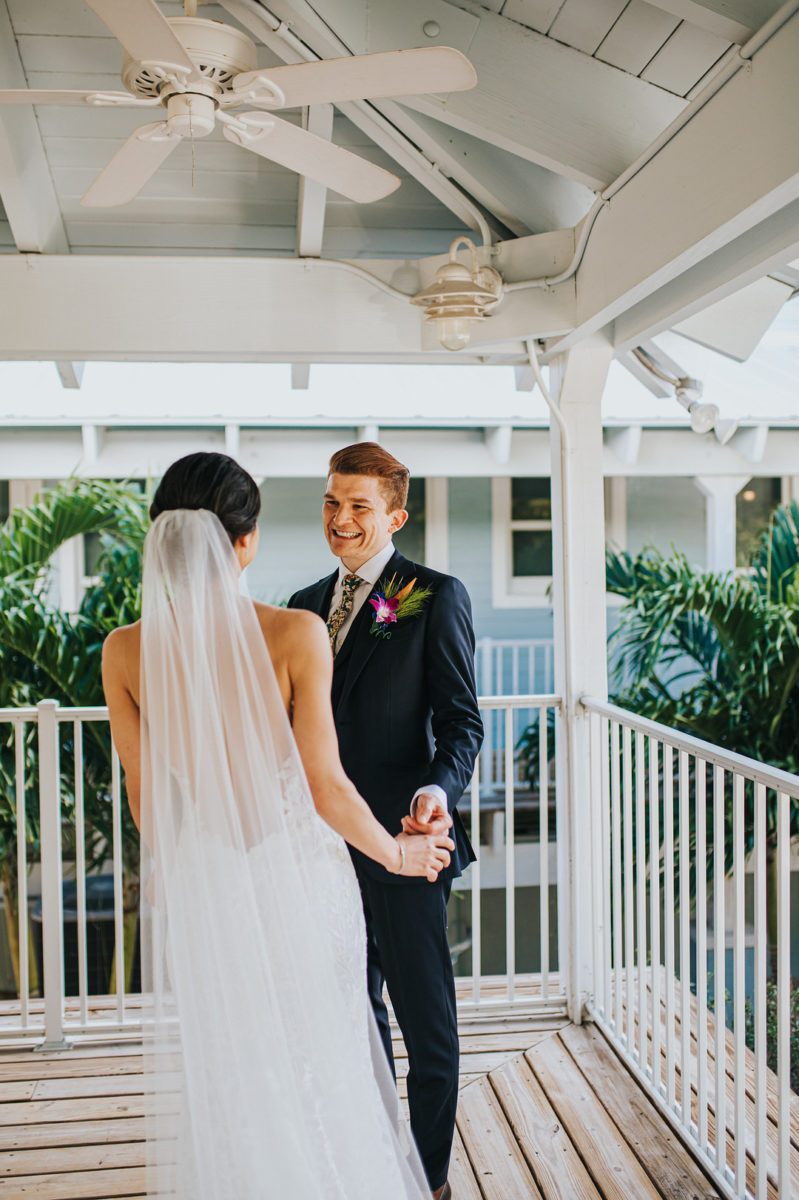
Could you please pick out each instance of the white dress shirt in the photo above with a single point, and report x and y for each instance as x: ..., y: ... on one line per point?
x: 370, y: 572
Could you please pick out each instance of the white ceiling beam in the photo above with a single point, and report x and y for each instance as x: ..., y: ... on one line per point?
x: 232, y: 439
x: 751, y: 442
x: 368, y: 433
x: 715, y: 208
x: 92, y: 438
x: 70, y: 373
x: 524, y: 377
x: 550, y: 104
x: 276, y: 310
x: 624, y: 443
x: 312, y: 198
x: 499, y: 440
x: 26, y: 187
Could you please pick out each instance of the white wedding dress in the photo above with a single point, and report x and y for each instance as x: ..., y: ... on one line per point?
x: 264, y: 1072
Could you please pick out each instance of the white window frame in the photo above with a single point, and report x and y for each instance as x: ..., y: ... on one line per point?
x: 509, y: 591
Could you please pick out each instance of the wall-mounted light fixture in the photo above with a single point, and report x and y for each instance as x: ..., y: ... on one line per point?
x: 704, y: 417
x: 459, y: 296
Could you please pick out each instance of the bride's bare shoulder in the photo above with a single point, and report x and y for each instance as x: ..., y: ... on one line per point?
x: 295, y: 628
x: 122, y: 642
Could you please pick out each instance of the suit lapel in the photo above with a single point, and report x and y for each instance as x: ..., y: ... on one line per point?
x: 363, y: 643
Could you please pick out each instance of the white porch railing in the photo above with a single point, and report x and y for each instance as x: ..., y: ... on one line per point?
x: 670, y: 814
x: 508, y: 859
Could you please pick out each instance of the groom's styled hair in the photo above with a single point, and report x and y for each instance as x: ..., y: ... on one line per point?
x: 368, y: 458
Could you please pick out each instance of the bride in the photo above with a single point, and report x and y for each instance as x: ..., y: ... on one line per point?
x: 264, y: 1073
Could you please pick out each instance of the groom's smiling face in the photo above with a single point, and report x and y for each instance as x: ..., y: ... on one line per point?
x: 356, y: 519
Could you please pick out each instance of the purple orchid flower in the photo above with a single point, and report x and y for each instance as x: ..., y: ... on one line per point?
x: 385, y: 610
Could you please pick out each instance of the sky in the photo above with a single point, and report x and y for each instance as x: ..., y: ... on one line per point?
x: 764, y: 388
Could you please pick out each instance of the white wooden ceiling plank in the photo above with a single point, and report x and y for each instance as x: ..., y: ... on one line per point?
x: 535, y: 14
x: 659, y: 231
x: 685, y: 58
x: 26, y: 187
x: 733, y: 20
x: 584, y: 23
x: 225, y: 186
x: 636, y: 37
x: 553, y: 105
x: 71, y: 18
x: 177, y: 235
x: 86, y: 56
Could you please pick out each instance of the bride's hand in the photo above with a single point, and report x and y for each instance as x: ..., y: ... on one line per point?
x: 423, y: 855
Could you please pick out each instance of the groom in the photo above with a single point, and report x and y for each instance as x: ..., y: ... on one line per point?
x: 409, y: 731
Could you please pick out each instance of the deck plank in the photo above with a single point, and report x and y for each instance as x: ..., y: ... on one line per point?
x: 616, y: 1171
x: 659, y: 1150
x: 461, y: 1176
x: 498, y: 1163
x: 87, y: 1185
x: 550, y: 1153
x: 60, y: 1159
x: 74, y: 1133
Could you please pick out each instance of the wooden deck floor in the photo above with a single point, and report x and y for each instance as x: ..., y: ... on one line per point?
x: 547, y: 1111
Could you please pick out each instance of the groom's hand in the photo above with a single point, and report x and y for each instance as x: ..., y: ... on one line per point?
x: 429, y: 816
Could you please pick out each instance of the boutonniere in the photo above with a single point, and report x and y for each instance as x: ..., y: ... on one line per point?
x: 394, y: 603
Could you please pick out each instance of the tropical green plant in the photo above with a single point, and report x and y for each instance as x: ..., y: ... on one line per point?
x: 49, y: 654
x: 772, y: 1030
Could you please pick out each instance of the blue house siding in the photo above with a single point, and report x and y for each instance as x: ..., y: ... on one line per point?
x: 292, y: 550
x: 663, y: 512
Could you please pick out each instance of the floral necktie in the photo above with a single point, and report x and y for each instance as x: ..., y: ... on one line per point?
x: 336, y: 620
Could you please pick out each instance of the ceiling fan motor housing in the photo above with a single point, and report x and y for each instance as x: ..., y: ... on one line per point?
x: 218, y: 51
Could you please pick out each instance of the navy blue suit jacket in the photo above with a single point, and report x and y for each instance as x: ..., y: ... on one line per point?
x: 405, y: 707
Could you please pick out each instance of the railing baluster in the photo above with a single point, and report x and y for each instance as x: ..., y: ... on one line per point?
x: 685, y: 940
x: 597, y: 882
x: 510, y: 856
x: 52, y: 894
x: 476, y: 893
x: 739, y: 974
x: 640, y: 895
x: 604, y: 734
x: 543, y: 846
x: 618, y: 1019
x: 627, y: 799
x: 668, y: 910
x: 701, y: 951
x: 720, y: 966
x: 80, y: 871
x: 783, y: 996
x: 119, y: 926
x: 654, y: 904
x: 761, y: 966
x: 22, y: 872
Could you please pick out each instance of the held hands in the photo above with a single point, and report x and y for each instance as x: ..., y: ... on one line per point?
x: 428, y: 816
x: 423, y: 854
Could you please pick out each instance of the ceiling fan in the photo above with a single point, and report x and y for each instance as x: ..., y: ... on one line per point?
x: 200, y: 70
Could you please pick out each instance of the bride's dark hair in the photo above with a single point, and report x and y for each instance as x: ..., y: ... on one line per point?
x: 212, y: 481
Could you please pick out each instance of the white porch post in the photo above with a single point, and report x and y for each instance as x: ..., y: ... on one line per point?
x: 720, y: 492
x: 578, y: 595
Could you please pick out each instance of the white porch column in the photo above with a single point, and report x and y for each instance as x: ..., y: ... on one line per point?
x: 578, y: 595
x: 720, y: 492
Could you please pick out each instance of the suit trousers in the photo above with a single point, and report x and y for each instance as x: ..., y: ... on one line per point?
x: 407, y: 948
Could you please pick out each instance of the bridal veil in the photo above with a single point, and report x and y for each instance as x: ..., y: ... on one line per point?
x: 264, y: 1073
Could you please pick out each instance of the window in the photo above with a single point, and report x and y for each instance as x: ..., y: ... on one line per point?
x: 522, y: 541
x: 754, y: 505
x: 4, y: 500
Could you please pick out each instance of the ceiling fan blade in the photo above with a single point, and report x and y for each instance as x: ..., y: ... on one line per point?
x: 144, y: 31
x: 93, y: 99
x: 134, y: 163
x: 361, y: 77
x: 307, y: 154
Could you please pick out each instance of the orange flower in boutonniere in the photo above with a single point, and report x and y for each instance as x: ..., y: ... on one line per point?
x: 395, y: 603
